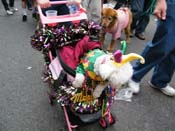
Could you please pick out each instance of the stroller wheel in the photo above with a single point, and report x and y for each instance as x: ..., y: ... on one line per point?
x: 111, y: 120
x: 103, y: 123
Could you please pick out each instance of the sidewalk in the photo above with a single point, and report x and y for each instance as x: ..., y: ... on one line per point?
x: 23, y: 101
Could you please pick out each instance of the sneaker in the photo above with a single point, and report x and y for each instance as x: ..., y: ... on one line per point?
x: 24, y: 18
x: 14, y: 9
x: 9, y: 12
x: 141, y: 36
x: 134, y: 86
x: 168, y: 90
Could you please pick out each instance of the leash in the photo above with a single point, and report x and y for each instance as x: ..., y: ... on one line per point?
x: 150, y: 9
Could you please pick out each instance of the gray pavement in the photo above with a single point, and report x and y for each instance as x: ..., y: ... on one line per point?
x: 23, y: 101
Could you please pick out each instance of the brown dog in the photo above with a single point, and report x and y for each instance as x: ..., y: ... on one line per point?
x: 114, y: 22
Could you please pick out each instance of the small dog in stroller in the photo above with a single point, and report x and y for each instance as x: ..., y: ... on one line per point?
x: 105, y: 68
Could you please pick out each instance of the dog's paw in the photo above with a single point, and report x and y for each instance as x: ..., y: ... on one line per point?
x: 99, y: 89
x: 96, y: 94
x: 79, y: 79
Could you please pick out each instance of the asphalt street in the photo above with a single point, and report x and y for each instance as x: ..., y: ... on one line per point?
x: 23, y: 101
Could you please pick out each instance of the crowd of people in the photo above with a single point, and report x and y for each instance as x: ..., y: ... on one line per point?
x: 159, y: 53
x: 10, y: 8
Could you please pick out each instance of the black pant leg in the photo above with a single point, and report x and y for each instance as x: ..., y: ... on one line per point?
x: 5, y: 4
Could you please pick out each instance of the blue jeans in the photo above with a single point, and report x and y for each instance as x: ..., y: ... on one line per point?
x: 160, y: 52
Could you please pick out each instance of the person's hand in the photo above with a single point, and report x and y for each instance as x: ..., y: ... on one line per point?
x: 160, y: 9
x: 43, y: 3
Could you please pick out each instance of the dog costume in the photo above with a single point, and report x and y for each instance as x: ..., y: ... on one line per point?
x: 122, y: 22
x: 105, y: 68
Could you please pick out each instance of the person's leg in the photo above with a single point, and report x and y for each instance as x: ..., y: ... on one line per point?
x: 117, y: 5
x: 6, y: 7
x: 29, y: 4
x: 153, y: 54
x: 24, y: 10
x: 11, y: 5
x: 94, y: 10
x: 156, y: 52
x: 141, y: 26
x: 5, y: 4
x: 144, y: 20
x: 136, y: 16
x: 137, y: 9
x: 120, y: 3
x: 163, y: 71
x: 163, y: 74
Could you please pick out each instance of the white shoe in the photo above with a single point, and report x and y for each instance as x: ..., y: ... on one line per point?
x: 14, y: 9
x: 168, y: 90
x: 9, y: 12
x: 134, y: 86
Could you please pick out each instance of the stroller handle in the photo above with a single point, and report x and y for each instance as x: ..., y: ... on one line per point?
x: 79, y: 15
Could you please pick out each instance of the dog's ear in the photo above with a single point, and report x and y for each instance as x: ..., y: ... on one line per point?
x: 114, y: 14
x: 102, y: 13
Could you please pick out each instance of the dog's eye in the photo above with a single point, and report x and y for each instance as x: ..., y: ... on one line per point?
x: 103, y: 17
x: 109, y: 18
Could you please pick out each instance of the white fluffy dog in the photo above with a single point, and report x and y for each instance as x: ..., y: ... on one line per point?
x: 107, y: 68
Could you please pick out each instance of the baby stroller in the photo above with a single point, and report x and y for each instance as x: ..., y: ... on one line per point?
x: 61, y: 47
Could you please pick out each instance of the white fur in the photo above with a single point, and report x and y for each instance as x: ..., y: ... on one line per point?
x: 121, y: 75
x: 103, y: 69
x: 98, y: 90
x: 116, y: 76
x: 79, y: 79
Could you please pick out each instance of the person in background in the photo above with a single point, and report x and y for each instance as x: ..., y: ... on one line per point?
x: 93, y: 8
x: 159, y: 53
x: 141, y: 17
x: 120, y: 3
x: 24, y: 10
x: 62, y: 9
x: 43, y: 3
x: 29, y: 4
x: 9, y: 7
